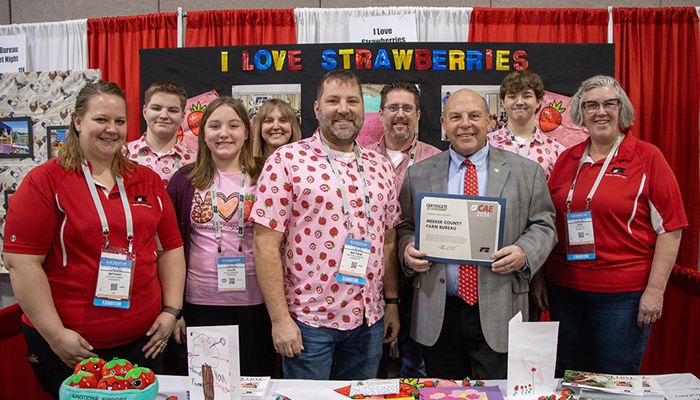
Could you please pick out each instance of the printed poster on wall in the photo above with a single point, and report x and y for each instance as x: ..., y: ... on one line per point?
x: 383, y: 29
x: 13, y: 53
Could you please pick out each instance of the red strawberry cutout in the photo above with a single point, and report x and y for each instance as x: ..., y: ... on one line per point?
x: 550, y: 117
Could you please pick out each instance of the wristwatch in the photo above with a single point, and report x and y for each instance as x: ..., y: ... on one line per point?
x: 174, y: 311
x: 391, y: 300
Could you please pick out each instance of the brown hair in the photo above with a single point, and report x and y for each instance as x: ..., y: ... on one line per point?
x: 202, y: 174
x: 265, y: 110
x: 520, y: 81
x: 400, y: 85
x: 71, y: 153
x: 338, y: 75
x: 166, y: 87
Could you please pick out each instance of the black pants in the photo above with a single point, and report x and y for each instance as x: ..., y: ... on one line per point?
x: 257, y: 354
x: 51, y: 371
x: 461, y: 350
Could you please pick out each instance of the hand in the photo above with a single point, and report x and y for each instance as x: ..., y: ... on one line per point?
x: 650, y: 307
x: 180, y: 332
x: 286, y: 338
x: 508, y: 259
x: 70, y: 347
x: 160, y: 332
x: 538, y: 291
x: 414, y: 259
x: 391, y: 322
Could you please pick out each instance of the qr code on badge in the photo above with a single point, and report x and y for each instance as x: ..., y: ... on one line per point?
x: 231, y: 281
x: 113, y: 286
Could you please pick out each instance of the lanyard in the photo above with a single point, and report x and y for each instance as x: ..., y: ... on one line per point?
x: 341, y: 183
x: 217, y: 217
x: 516, y: 145
x: 608, y: 158
x: 101, y: 212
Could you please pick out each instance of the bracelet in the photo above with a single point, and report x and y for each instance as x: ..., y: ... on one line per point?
x: 174, y: 311
x: 391, y: 300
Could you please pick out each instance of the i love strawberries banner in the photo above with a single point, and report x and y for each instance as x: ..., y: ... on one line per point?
x: 431, y: 66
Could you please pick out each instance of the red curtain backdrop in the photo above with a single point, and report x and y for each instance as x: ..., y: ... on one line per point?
x: 673, y: 344
x: 240, y: 27
x: 21, y: 383
x: 656, y: 61
x: 114, y: 44
x: 571, y: 25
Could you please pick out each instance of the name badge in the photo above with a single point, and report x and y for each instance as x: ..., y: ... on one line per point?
x: 580, y: 244
x: 354, y: 262
x: 230, y: 272
x: 114, y: 278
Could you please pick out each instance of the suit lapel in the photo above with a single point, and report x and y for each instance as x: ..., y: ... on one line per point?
x: 439, y: 174
x: 498, y: 173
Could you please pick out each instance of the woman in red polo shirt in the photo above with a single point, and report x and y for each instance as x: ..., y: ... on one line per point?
x: 619, y: 222
x: 93, y: 250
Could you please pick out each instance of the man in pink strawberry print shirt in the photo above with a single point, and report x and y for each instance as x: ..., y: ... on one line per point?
x: 315, y: 200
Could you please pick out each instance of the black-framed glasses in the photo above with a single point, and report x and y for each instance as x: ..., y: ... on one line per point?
x: 394, y: 108
x: 592, y: 106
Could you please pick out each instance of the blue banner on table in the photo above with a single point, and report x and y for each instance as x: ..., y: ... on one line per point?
x: 459, y: 229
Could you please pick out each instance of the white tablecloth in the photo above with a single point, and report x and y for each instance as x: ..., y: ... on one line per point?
x: 169, y: 383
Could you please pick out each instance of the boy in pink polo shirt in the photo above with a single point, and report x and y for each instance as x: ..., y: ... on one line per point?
x: 159, y: 147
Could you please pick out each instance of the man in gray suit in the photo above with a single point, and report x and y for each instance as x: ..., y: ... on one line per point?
x: 460, y: 339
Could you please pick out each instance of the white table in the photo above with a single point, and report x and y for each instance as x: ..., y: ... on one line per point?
x: 179, y: 383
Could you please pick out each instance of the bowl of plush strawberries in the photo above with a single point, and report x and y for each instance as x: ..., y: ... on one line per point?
x: 118, y: 379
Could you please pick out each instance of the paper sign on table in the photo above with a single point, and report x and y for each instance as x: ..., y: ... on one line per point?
x: 532, y: 355
x: 254, y: 387
x: 461, y: 392
x: 310, y: 392
x: 213, y: 363
x: 374, y: 387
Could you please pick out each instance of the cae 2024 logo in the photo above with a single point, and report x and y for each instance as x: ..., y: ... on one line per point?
x: 482, y: 210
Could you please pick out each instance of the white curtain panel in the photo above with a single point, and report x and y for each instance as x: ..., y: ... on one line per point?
x: 433, y: 24
x: 53, y: 46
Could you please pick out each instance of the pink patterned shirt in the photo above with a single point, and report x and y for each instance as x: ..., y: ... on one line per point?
x: 164, y: 165
x: 422, y: 151
x: 542, y: 149
x: 299, y: 195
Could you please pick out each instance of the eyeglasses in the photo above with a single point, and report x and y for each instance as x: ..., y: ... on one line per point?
x: 394, y: 108
x: 593, y: 106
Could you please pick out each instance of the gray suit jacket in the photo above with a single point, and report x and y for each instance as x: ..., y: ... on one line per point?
x: 529, y: 224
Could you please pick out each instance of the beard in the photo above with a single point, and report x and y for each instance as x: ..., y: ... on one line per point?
x: 341, y: 135
x: 401, y: 135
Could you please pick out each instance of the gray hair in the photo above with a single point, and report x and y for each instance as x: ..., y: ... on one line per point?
x: 626, y: 110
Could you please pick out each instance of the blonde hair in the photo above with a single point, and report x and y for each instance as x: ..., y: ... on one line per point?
x: 265, y: 110
x: 71, y: 153
x: 202, y: 174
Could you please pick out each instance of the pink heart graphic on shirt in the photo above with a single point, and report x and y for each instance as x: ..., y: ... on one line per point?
x: 228, y: 205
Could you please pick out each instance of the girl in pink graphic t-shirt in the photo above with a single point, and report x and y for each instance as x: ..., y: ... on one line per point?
x: 213, y: 198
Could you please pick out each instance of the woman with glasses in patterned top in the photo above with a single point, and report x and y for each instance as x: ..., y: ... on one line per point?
x: 619, y: 222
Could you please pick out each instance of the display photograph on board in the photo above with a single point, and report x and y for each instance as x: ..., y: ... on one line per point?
x: 253, y: 96
x: 16, y: 140
x: 55, y: 138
